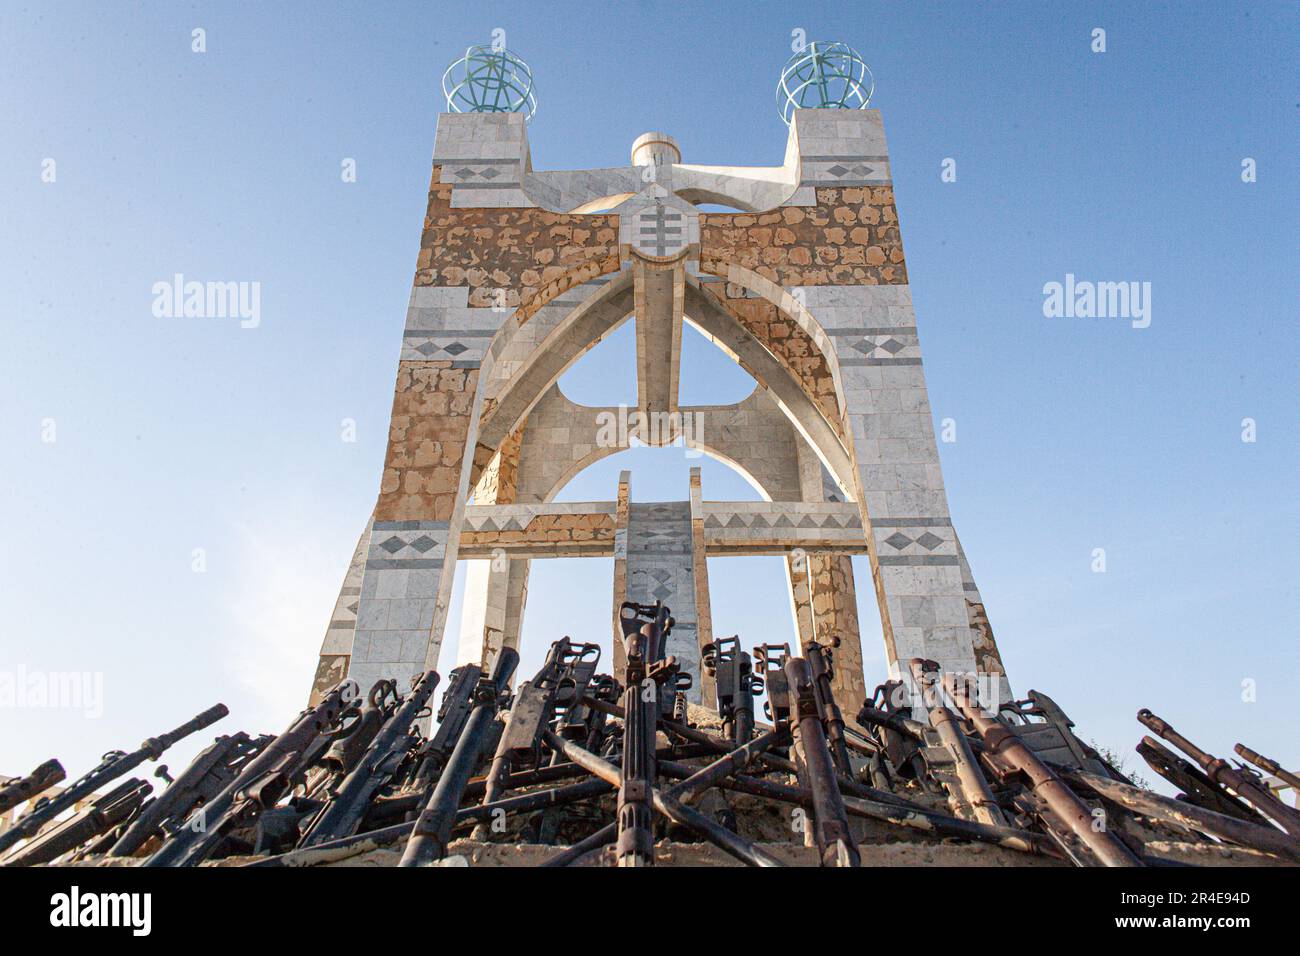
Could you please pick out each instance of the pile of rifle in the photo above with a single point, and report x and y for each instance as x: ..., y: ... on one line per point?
x: 614, y: 762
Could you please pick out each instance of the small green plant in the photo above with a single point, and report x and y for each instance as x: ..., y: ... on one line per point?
x: 1117, y: 763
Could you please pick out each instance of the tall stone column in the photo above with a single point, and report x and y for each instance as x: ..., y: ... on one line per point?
x: 658, y: 564
x: 495, y: 588
x: 823, y: 596
x: 911, y: 544
x: 706, y: 693
x: 415, y: 533
x: 490, y: 260
x: 828, y: 274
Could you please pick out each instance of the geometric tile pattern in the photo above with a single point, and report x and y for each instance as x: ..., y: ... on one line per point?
x: 660, y: 567
x: 456, y: 346
x: 883, y: 347
x: 845, y: 170
x: 407, y: 545
x: 404, y: 565
x: 766, y: 527
x: 481, y: 173
x: 730, y: 527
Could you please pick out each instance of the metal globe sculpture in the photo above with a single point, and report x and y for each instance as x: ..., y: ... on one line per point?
x: 824, y: 75
x: 487, y: 80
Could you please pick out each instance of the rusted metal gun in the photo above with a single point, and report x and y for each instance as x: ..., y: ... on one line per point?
x: 373, y: 769
x: 821, y: 665
x: 325, y: 764
x: 951, y: 761
x: 102, y: 814
x: 769, y: 676
x: 1188, y: 816
x: 260, y: 784
x: 1066, y: 818
x: 645, y: 633
x: 206, y: 776
x: 585, y: 721
x: 573, y: 717
x: 457, y: 702
x: 1049, y: 733
x: 432, y: 831
x: 807, y: 724
x: 21, y: 789
x: 1198, y: 789
x: 115, y: 764
x: 1249, y: 788
x: 732, y: 671
x: 1269, y: 766
x: 531, y: 713
x: 354, y: 739
x: 888, y: 714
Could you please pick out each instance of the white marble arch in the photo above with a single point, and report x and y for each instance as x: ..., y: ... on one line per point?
x: 600, y: 454
x: 607, y: 307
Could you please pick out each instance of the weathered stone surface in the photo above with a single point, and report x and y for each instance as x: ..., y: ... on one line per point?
x: 530, y: 254
x: 783, y: 337
x: 850, y: 237
x: 432, y: 406
x: 547, y: 529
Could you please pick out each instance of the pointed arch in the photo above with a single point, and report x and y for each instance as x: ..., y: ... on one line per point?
x: 524, y: 368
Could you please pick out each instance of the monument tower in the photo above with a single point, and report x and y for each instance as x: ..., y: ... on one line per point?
x: 521, y: 271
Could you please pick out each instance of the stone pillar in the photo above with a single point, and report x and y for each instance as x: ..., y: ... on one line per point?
x: 658, y: 564
x: 870, y: 328
x: 485, y: 250
x: 495, y: 588
x: 621, y: 503
x: 706, y: 693
x: 835, y: 615
x: 823, y: 285
x: 823, y: 595
x: 911, y: 544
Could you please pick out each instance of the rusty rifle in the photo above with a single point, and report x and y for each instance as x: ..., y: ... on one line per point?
x: 1268, y: 766
x: 969, y: 793
x: 645, y: 632
x: 816, y: 767
x: 388, y: 746
x: 259, y: 785
x: 22, y: 789
x: 207, y: 775
x: 1067, y: 818
x: 1225, y: 775
x: 433, y: 827
x: 114, y: 764
x: 102, y: 814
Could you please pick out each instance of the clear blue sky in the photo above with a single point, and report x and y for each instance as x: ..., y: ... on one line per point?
x: 1072, y: 434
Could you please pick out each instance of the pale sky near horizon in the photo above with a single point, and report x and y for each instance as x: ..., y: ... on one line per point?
x: 1072, y: 434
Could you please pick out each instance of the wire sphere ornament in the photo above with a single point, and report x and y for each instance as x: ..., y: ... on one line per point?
x: 487, y: 80
x: 824, y: 75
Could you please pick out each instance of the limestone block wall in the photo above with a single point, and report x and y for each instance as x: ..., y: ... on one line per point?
x: 912, y: 545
